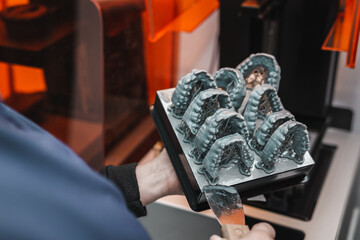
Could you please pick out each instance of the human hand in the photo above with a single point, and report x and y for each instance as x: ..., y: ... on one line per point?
x: 156, y: 179
x: 260, y: 231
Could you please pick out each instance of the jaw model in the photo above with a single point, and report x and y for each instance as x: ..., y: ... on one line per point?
x: 187, y: 89
x: 225, y: 151
x: 231, y: 81
x: 263, y: 100
x: 267, y: 128
x: 204, y: 105
x: 224, y: 122
x: 259, y: 69
x: 290, y: 140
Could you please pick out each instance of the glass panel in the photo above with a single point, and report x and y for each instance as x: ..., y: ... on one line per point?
x: 51, y: 70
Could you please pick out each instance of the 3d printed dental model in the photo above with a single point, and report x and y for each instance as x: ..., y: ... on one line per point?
x: 263, y: 100
x: 187, y: 89
x: 290, y: 140
x: 260, y: 68
x: 232, y: 81
x: 267, y: 128
x: 225, y: 151
x: 218, y: 134
x: 205, y: 104
x: 231, y: 129
x: 224, y: 122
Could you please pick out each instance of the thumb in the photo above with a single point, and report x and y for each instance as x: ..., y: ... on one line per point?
x: 216, y: 237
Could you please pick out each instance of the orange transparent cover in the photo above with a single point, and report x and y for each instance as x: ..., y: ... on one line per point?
x: 344, y: 34
x: 176, y: 15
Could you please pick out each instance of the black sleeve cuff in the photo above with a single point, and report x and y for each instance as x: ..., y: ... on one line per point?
x: 125, y: 178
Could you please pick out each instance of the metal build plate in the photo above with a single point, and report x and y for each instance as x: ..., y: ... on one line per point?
x: 230, y: 176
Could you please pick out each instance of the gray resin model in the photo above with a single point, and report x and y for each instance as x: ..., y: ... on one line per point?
x: 263, y: 100
x: 260, y: 68
x: 225, y: 151
x: 187, y: 89
x: 217, y: 135
x: 205, y: 104
x: 290, y: 140
x: 232, y: 81
x: 267, y: 128
x: 222, y: 123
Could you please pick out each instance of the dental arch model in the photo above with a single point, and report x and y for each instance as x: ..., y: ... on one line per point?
x: 210, y: 122
x: 222, y: 123
x: 259, y: 69
x: 225, y: 151
x: 187, y: 89
x: 290, y: 140
x: 267, y: 128
x: 204, y: 105
x: 263, y: 100
x: 231, y: 81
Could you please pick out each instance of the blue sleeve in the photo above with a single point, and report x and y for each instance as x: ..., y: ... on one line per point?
x: 48, y: 192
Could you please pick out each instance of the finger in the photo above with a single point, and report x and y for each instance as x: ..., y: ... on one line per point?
x: 261, y: 231
x: 215, y: 237
x: 264, y: 227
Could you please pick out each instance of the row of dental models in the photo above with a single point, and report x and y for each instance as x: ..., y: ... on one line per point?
x: 235, y: 113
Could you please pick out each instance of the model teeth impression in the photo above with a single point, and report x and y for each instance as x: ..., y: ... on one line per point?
x: 211, y: 108
x: 263, y: 100
x: 267, y: 128
x: 204, y: 105
x: 225, y: 151
x: 259, y: 69
x: 290, y: 140
x: 231, y: 81
x: 222, y: 123
x: 187, y: 89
